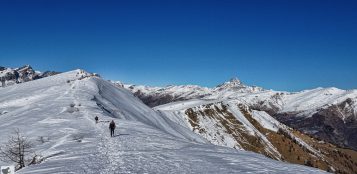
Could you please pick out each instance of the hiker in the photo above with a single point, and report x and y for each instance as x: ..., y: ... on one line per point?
x: 96, y: 119
x: 112, y: 127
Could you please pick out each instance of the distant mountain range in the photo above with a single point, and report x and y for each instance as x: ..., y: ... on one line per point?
x: 10, y: 76
x: 311, y: 127
x: 329, y: 114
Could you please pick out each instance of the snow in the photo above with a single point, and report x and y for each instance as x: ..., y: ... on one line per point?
x: 311, y: 99
x: 181, y: 105
x: 266, y: 120
x: 306, y: 102
x: 212, y: 130
x: 176, y: 112
x: 252, y: 130
x: 145, y: 142
x: 4, y: 72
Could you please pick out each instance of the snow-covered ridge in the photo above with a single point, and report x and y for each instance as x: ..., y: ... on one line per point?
x: 61, y: 108
x: 307, y: 100
x: 235, y: 89
x: 154, y: 96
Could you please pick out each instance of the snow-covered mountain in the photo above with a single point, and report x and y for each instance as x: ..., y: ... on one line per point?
x: 155, y: 96
x: 11, y: 76
x: 252, y: 118
x: 232, y: 123
x: 57, y: 114
x: 326, y: 113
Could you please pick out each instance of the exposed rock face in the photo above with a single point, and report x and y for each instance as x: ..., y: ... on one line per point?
x: 155, y: 100
x: 11, y: 76
x: 232, y: 83
x: 48, y: 73
x: 235, y: 85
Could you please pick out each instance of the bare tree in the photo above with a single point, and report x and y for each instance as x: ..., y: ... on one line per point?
x: 17, y: 150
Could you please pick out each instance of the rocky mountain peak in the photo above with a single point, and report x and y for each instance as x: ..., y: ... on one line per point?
x: 11, y: 76
x: 235, y: 80
x: 24, y: 67
x: 232, y: 83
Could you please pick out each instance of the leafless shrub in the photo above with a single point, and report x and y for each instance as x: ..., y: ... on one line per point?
x: 18, y: 149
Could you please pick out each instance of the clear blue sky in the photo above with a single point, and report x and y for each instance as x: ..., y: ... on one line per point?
x: 283, y: 45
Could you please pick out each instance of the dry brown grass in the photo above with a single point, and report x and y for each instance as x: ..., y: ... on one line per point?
x: 343, y: 160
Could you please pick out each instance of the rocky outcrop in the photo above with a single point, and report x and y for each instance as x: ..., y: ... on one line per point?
x: 11, y: 76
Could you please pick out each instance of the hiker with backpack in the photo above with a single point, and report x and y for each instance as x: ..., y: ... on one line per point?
x: 112, y: 127
x: 96, y: 119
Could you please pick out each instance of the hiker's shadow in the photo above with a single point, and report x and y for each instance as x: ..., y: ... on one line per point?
x: 118, y: 135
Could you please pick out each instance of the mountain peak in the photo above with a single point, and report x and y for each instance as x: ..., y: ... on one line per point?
x: 235, y: 80
x: 232, y: 83
x: 11, y: 76
x: 25, y: 67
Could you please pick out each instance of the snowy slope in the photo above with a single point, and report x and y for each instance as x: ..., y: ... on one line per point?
x: 232, y: 123
x: 61, y: 109
x: 225, y: 133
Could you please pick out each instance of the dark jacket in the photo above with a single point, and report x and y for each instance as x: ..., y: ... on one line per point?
x: 112, y: 125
